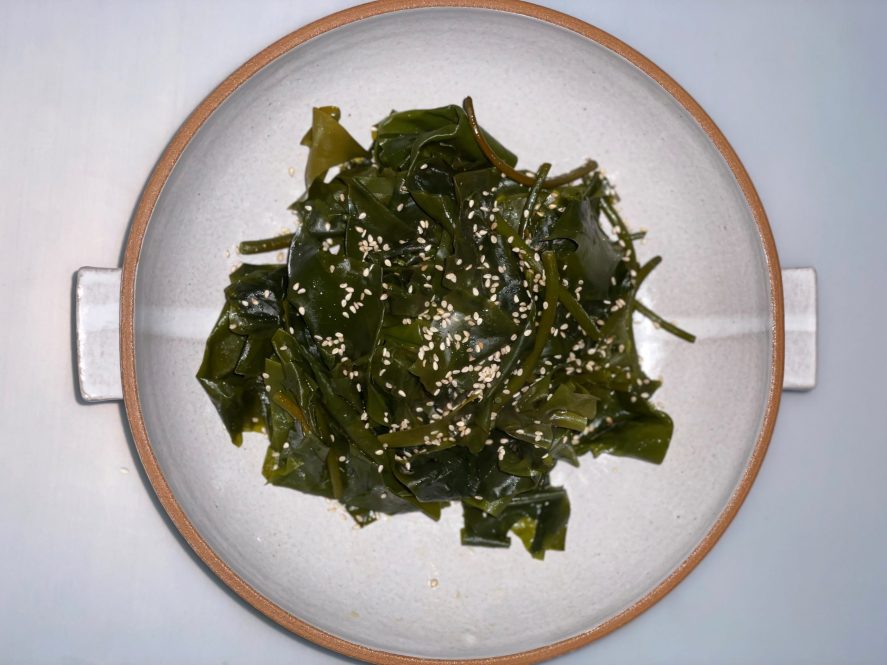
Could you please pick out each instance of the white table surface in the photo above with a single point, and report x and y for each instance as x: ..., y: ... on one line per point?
x: 92, y: 571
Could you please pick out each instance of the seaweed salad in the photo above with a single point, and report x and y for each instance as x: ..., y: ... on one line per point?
x: 447, y: 328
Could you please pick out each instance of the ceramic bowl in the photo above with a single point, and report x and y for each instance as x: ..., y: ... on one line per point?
x: 552, y: 89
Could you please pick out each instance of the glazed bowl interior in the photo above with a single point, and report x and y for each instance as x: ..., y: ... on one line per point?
x: 549, y: 94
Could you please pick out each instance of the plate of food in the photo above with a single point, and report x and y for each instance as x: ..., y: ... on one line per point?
x: 448, y: 331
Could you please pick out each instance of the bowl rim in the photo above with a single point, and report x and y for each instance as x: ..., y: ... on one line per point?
x: 141, y: 219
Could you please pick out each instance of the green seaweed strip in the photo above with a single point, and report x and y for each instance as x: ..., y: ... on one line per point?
x: 266, y: 244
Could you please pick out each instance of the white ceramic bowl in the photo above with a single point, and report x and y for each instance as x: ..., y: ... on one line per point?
x: 552, y: 89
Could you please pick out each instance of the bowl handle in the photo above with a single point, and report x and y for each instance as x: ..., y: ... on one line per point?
x: 97, y: 322
x: 799, y: 294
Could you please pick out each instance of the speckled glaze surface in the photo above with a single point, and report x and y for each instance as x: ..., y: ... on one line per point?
x: 405, y: 588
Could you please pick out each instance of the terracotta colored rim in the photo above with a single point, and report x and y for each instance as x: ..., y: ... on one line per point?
x: 127, y: 330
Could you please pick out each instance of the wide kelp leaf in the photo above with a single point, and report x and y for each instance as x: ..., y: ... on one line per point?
x: 446, y: 329
x: 332, y: 292
x: 238, y: 345
x: 539, y: 518
x: 402, y: 138
x: 329, y: 144
x: 593, y: 261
